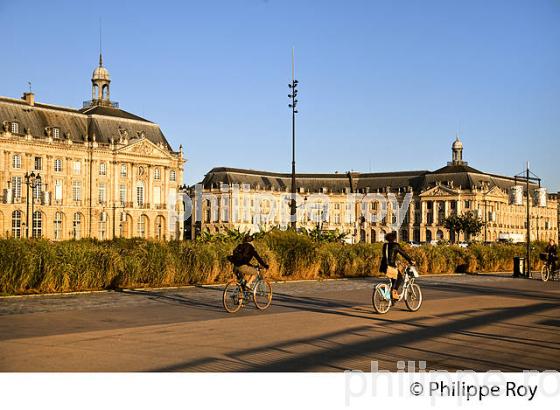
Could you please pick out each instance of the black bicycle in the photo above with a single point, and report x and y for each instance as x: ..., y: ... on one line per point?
x: 546, y: 271
x: 236, y: 295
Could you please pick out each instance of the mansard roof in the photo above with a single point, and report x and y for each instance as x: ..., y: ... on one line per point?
x: 454, y: 176
x: 105, y: 123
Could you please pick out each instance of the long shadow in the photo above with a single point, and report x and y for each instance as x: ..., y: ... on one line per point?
x: 306, y: 361
x: 237, y: 356
x: 489, y: 290
x: 174, y: 299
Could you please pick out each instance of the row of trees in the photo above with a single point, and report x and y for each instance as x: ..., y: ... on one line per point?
x: 468, y: 223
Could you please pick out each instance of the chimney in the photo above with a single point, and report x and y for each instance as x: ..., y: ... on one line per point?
x: 29, y: 98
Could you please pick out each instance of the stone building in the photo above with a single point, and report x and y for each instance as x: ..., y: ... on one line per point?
x: 237, y: 199
x: 104, y: 172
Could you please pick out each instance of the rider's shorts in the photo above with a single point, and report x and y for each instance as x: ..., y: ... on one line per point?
x: 244, y: 271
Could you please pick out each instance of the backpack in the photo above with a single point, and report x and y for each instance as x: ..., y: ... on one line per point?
x: 242, y: 254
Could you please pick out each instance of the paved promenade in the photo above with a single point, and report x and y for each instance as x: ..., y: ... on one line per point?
x: 486, y: 322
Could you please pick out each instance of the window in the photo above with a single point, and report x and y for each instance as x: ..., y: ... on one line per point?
x: 76, y: 191
x: 103, y: 168
x: 14, y: 128
x: 38, y: 164
x: 16, y: 161
x: 77, y: 167
x: 157, y: 173
x: 124, y: 170
x: 16, y: 186
x: 37, y: 190
x: 77, y: 226
x: 37, y: 224
x: 122, y: 194
x: 467, y: 204
x: 58, y: 165
x: 140, y: 194
x: 101, y: 193
x: 141, y: 226
x: 16, y: 224
x: 102, y: 227
x: 58, y: 225
x: 157, y: 195
x: 56, y: 132
x: 172, y: 175
x: 58, y: 190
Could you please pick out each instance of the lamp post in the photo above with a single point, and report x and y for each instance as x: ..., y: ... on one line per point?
x: 32, y: 181
x: 293, y: 94
x: 527, y: 176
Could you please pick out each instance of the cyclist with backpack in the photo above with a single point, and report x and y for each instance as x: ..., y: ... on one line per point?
x: 391, y: 249
x: 241, y: 259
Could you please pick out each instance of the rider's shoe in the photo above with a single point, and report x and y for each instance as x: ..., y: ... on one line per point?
x: 395, y: 294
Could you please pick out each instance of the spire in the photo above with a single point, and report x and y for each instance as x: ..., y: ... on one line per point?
x: 100, y: 60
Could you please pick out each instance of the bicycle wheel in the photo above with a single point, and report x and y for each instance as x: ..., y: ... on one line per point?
x: 381, y: 298
x: 233, y: 297
x: 262, y: 294
x: 413, y: 297
x: 545, y: 273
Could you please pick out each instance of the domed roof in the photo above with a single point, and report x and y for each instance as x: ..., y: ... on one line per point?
x: 457, y: 144
x: 101, y: 73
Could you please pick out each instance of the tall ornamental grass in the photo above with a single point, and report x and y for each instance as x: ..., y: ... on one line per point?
x: 42, y: 266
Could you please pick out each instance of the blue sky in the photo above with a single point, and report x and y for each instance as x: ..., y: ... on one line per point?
x: 384, y: 85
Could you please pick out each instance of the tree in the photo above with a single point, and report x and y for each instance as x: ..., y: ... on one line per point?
x: 472, y: 224
x: 454, y: 223
x: 468, y: 223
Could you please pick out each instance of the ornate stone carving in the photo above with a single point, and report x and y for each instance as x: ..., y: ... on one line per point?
x: 144, y: 149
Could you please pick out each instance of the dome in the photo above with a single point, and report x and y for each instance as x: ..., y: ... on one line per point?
x: 457, y: 144
x: 101, y: 73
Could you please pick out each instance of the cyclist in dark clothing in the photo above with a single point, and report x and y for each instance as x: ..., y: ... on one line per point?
x: 389, y: 262
x: 241, y: 259
x: 552, y: 251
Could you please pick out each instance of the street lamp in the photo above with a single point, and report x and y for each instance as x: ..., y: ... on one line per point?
x: 293, y: 94
x: 32, y: 181
x: 527, y: 176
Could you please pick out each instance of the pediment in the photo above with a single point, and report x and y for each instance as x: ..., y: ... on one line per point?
x: 439, y: 191
x: 496, y: 191
x: 146, y: 148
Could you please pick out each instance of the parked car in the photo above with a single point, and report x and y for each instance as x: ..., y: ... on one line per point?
x: 413, y: 244
x: 463, y: 244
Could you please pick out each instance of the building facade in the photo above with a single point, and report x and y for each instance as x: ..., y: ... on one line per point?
x: 416, y: 203
x: 98, y: 171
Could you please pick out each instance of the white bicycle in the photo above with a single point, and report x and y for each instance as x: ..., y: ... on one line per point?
x: 411, y: 293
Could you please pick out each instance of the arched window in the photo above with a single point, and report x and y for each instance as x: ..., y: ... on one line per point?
x: 77, y: 226
x: 16, y: 224
x: 428, y: 236
x: 105, y: 90
x: 160, y: 227
x: 439, y: 235
x: 37, y: 224
x: 14, y: 128
x: 58, y: 225
x: 141, y: 226
x: 102, y: 227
